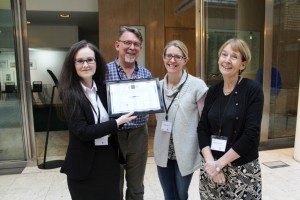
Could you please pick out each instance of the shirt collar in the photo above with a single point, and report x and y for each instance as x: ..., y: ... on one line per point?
x: 86, y: 89
x: 119, y: 68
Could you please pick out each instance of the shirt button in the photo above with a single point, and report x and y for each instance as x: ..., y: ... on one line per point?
x: 236, y: 118
x: 237, y: 104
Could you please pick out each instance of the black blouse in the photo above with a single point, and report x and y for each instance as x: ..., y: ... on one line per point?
x: 221, y: 119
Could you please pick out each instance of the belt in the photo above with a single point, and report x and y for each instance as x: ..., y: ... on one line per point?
x: 131, y: 129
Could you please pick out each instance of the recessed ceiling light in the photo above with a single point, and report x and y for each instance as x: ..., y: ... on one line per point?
x: 64, y: 15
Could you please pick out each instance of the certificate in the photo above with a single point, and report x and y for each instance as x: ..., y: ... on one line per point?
x: 141, y: 96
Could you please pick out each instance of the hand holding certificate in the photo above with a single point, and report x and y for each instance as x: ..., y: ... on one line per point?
x: 138, y: 95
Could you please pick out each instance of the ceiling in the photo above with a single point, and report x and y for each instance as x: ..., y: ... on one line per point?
x: 86, y: 21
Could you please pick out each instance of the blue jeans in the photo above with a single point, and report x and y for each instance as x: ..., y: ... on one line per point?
x: 175, y: 186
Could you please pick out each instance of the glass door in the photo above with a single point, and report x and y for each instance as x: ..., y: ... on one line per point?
x: 272, y: 31
x: 230, y: 18
x: 284, y: 81
x: 11, y: 132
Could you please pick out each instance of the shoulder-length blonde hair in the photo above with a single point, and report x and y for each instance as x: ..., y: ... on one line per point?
x: 238, y: 45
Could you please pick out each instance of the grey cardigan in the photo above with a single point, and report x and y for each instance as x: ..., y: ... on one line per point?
x: 184, y: 116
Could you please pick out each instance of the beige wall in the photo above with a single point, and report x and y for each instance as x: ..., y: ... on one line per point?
x: 46, y: 37
x: 62, y: 5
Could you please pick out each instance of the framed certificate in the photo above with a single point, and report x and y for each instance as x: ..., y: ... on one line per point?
x: 138, y: 95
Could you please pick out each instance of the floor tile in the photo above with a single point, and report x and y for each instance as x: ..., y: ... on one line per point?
x: 40, y: 184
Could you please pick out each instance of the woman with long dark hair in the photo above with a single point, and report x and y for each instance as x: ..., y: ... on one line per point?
x: 91, y: 162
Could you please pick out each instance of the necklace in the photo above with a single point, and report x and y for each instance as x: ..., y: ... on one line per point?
x: 227, y: 92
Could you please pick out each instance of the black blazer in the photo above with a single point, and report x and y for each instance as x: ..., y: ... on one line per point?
x: 82, y: 133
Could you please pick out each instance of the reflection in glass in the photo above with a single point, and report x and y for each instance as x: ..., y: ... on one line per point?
x: 285, y: 58
x: 11, y: 136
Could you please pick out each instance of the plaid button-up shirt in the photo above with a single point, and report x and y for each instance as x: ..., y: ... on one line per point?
x: 115, y: 72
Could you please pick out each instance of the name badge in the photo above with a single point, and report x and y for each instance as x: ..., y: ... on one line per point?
x: 218, y: 143
x: 166, y: 126
x: 101, y: 141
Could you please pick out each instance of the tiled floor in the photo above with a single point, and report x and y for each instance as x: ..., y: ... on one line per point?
x: 35, y: 184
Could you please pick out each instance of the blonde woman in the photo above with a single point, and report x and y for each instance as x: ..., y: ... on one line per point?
x: 176, y: 149
x: 229, y: 130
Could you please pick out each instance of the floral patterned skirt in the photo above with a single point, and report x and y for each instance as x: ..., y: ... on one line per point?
x: 241, y: 183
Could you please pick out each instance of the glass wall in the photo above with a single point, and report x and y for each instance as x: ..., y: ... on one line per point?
x: 227, y: 19
x: 11, y: 132
x: 285, y: 68
x: 275, y: 64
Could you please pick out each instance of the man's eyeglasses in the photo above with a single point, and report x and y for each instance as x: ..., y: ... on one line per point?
x: 128, y: 43
x: 82, y: 61
x: 176, y: 57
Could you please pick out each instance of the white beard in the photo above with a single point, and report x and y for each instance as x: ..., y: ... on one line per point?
x: 129, y: 59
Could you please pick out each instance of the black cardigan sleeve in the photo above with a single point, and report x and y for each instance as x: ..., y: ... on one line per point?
x: 250, y: 114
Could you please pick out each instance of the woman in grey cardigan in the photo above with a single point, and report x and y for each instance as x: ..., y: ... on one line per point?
x: 176, y: 149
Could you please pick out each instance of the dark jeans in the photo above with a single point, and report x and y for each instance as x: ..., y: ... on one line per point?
x: 175, y: 186
x: 134, y: 145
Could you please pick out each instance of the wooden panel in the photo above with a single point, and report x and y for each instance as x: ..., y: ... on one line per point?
x: 153, y: 18
x: 150, y: 14
x: 155, y: 15
x: 112, y: 14
x: 187, y: 36
x: 185, y: 19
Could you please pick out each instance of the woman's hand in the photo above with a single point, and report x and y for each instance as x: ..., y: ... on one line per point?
x: 212, y: 169
x: 125, y: 118
x: 219, y: 178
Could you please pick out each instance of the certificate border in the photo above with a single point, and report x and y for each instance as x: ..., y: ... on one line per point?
x: 159, y: 96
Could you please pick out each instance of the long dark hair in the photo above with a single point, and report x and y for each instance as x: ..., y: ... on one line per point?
x: 69, y: 88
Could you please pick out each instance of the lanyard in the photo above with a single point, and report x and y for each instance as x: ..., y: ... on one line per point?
x: 221, y: 118
x: 94, y: 110
x: 168, y: 108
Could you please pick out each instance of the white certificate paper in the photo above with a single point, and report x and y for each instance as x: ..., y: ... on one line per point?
x: 141, y: 95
